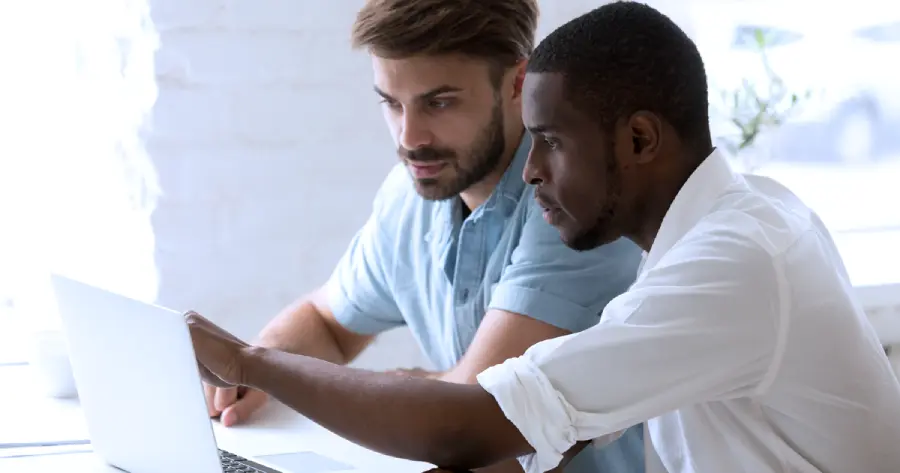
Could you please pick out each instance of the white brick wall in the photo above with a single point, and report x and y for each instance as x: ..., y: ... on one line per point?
x: 269, y: 145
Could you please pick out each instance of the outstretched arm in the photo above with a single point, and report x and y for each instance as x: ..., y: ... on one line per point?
x: 447, y: 424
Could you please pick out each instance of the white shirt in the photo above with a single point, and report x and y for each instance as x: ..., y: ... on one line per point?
x: 740, y: 343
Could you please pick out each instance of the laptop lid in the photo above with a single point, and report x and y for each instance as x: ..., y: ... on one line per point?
x: 143, y: 404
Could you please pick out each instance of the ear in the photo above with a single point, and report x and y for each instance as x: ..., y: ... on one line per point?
x: 519, y: 79
x: 646, y: 136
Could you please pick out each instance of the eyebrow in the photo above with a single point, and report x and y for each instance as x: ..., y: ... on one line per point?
x: 423, y: 96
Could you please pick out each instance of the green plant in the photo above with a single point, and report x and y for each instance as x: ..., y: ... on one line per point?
x: 755, y: 108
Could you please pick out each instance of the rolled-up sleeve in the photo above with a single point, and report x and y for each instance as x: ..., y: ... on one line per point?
x: 550, y: 282
x: 359, y: 291
x: 700, y: 326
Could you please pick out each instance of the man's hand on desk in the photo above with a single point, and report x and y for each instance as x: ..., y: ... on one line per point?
x: 226, y: 398
x: 233, y: 405
x: 218, y: 355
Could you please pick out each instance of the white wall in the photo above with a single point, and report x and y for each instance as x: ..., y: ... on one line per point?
x: 269, y: 146
x: 75, y: 90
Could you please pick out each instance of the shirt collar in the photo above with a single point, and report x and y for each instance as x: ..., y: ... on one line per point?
x: 504, y: 198
x: 694, y: 200
x: 512, y: 184
x: 506, y: 195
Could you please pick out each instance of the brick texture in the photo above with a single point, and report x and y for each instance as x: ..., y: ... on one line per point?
x: 269, y: 147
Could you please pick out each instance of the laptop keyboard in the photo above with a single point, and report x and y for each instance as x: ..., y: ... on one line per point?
x: 232, y: 463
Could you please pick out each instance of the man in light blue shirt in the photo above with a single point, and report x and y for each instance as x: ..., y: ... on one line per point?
x: 456, y: 248
x: 418, y: 263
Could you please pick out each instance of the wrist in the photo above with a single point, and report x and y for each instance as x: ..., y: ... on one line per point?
x: 255, y: 366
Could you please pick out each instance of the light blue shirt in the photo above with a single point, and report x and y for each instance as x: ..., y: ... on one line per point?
x: 418, y: 263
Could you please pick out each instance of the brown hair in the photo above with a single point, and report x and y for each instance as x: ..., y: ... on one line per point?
x: 499, y: 31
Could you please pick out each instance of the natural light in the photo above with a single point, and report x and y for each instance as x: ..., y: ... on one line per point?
x: 812, y: 91
x: 76, y: 187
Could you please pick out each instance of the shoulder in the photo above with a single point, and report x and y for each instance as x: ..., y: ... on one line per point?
x: 759, y: 215
x: 734, y: 249
x: 591, y: 278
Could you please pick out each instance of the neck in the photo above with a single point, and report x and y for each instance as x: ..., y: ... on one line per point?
x: 662, y: 189
x: 478, y: 193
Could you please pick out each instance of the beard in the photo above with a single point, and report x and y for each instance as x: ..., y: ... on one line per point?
x: 604, y: 229
x: 483, y: 156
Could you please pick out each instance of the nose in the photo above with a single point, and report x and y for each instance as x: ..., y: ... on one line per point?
x: 534, y: 172
x: 414, y: 132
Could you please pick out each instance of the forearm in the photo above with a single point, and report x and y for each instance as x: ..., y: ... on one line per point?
x: 301, y: 329
x: 447, y: 424
x: 308, y: 327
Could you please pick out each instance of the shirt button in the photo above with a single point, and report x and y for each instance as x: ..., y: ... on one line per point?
x: 465, y: 295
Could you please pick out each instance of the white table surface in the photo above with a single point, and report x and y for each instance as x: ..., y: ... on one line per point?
x: 27, y: 416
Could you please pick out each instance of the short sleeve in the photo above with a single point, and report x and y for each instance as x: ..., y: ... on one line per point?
x: 700, y: 326
x: 359, y: 289
x: 551, y: 282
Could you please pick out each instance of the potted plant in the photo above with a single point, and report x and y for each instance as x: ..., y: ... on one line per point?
x: 755, y: 109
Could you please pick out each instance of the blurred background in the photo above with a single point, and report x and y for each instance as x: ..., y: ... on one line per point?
x: 218, y: 155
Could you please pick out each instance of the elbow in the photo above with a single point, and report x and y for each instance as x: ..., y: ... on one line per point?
x: 471, y: 432
x: 458, y: 449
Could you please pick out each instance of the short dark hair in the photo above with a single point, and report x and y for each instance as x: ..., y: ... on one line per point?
x: 624, y: 57
x: 498, y: 31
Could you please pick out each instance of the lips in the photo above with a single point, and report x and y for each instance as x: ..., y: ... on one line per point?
x: 551, y: 212
x: 426, y: 170
x: 552, y: 216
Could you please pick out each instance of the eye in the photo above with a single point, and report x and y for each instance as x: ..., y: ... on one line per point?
x: 439, y: 104
x: 553, y: 143
x: 392, y: 104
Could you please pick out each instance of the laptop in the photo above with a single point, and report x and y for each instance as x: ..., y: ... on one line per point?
x: 141, y: 392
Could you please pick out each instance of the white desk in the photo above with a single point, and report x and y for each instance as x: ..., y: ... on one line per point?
x: 29, y: 417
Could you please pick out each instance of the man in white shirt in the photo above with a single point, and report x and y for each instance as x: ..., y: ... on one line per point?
x: 740, y: 344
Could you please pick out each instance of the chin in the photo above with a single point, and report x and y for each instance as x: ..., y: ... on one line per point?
x: 588, y: 240
x: 433, y: 189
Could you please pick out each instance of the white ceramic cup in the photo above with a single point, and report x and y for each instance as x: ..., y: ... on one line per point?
x: 49, y: 361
